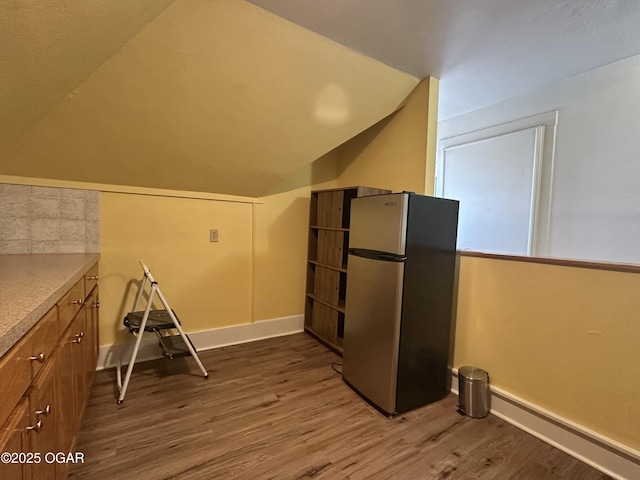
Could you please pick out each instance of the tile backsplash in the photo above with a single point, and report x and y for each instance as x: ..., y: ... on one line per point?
x: 48, y: 220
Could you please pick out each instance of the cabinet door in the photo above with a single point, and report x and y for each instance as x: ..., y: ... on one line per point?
x: 324, y: 322
x: 79, y: 339
x: 69, y: 305
x: 72, y: 359
x: 330, y: 209
x: 91, y: 338
x: 42, y: 412
x: 20, y: 365
x: 332, y: 248
x: 66, y: 421
x: 91, y: 279
x: 13, y: 439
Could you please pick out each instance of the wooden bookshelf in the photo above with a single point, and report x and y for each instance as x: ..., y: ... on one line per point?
x: 326, y: 291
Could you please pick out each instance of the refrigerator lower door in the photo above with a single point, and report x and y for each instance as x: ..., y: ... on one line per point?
x: 372, y: 330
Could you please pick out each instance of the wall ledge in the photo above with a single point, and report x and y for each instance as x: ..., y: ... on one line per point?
x: 128, y: 189
x: 609, y: 456
x: 209, y: 339
x: 563, y: 262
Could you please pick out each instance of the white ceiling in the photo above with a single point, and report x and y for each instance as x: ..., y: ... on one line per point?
x: 482, y: 51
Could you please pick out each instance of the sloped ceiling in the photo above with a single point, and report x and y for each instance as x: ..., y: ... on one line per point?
x: 200, y: 95
x: 482, y: 51
x: 48, y: 48
x: 223, y: 96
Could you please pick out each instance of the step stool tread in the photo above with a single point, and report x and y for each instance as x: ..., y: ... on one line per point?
x: 173, y: 346
x: 158, y: 320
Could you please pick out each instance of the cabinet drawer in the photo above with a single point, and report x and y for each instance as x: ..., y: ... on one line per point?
x: 21, y: 364
x: 42, y: 340
x: 90, y: 279
x: 69, y: 305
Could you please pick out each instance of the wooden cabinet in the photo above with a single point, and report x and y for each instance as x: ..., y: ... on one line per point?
x: 329, y: 215
x: 91, y: 347
x: 65, y: 397
x: 43, y: 414
x: 69, y: 305
x: 78, y: 340
x: 14, y: 439
x: 73, y: 381
x: 44, y: 383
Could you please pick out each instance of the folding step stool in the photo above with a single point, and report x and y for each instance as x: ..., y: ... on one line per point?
x: 159, y: 322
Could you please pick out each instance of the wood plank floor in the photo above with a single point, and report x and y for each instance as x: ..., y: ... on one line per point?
x: 275, y: 409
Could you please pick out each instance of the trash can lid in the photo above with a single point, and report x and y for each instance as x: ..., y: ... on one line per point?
x: 473, y: 374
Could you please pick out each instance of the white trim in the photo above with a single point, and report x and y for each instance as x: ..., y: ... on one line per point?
x: 548, y: 119
x: 543, y: 169
x: 208, y: 339
x: 538, y: 158
x: 609, y: 456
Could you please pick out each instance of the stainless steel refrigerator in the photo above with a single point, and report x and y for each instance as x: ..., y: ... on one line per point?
x: 399, y: 297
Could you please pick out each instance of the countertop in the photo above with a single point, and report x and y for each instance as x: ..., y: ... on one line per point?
x: 31, y: 284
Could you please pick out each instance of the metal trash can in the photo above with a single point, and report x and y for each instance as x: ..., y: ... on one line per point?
x: 474, y: 396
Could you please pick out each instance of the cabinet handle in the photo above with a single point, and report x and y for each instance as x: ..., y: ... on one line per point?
x: 45, y: 412
x: 37, y: 427
x: 77, y: 302
x: 38, y: 358
x: 93, y: 277
x: 79, y: 338
x: 96, y: 304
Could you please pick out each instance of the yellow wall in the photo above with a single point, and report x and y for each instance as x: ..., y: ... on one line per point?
x: 398, y: 152
x: 563, y: 338
x: 281, y: 224
x: 255, y: 272
x: 208, y: 284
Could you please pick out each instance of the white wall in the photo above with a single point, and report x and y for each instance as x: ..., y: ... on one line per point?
x: 595, y: 206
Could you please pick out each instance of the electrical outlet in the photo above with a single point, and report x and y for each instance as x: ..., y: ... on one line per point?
x: 213, y: 235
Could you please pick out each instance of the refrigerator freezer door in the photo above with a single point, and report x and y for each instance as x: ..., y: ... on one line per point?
x: 372, y: 329
x: 379, y: 223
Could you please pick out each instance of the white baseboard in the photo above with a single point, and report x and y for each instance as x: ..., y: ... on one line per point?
x: 613, y: 458
x: 208, y: 339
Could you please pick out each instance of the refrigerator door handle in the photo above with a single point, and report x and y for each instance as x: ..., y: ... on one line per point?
x: 377, y: 255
